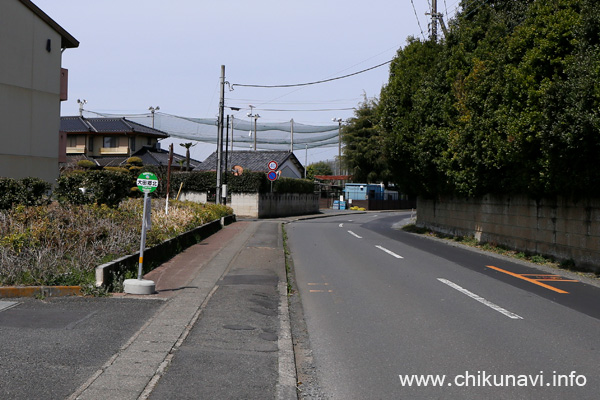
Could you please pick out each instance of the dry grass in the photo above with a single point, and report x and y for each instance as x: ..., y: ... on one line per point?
x: 61, y: 245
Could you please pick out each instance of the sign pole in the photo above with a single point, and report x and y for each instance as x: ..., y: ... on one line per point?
x: 147, y: 182
x: 143, y: 239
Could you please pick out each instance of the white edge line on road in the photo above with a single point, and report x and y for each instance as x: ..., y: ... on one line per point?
x: 388, y: 251
x: 355, y: 235
x: 480, y: 299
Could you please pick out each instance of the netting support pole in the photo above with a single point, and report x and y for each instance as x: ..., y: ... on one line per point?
x: 220, y: 137
x: 292, y: 136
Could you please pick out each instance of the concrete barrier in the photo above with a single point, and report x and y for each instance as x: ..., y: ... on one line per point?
x: 160, y: 253
x: 272, y: 205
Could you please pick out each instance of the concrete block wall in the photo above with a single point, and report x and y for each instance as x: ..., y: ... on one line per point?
x: 245, y: 204
x: 283, y: 205
x: 560, y: 228
x: 271, y: 205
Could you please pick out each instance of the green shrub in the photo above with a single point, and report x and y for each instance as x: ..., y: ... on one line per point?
x: 35, y: 192
x: 10, y: 190
x: 100, y: 187
x: 201, y: 181
x: 136, y: 171
x: 86, y: 164
x: 27, y: 191
x: 248, y: 182
x: 135, y: 161
x: 292, y: 185
x: 117, y: 169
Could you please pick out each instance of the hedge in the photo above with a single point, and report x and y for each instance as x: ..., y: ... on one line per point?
x: 28, y: 191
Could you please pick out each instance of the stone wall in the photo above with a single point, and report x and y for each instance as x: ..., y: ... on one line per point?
x: 559, y: 228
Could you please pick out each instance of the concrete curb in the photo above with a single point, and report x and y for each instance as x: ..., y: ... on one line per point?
x: 161, y: 252
x: 42, y: 291
x: 286, y: 383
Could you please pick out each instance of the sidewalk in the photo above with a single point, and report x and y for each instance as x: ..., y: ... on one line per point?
x: 223, y: 332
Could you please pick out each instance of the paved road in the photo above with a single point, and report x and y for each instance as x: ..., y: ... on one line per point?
x: 380, y: 304
x: 49, y: 348
x: 216, y: 329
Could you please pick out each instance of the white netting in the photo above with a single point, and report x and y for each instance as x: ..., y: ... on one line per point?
x: 270, y: 135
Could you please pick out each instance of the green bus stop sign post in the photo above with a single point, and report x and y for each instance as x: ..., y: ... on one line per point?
x: 147, y: 182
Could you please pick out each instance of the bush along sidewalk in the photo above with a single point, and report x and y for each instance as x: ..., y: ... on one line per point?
x: 61, y: 244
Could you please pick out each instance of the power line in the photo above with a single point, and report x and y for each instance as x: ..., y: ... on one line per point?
x: 310, y: 83
x: 417, y: 16
x: 299, y: 110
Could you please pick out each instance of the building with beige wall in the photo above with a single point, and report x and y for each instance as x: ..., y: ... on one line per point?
x: 32, y: 85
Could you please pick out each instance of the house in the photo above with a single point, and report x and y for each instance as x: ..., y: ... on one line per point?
x: 109, y: 142
x: 257, y: 161
x: 107, y: 137
x: 32, y: 85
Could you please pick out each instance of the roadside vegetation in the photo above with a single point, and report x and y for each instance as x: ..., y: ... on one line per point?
x: 506, y: 103
x: 49, y: 242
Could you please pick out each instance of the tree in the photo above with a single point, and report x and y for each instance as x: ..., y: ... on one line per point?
x: 414, y: 113
x: 506, y: 103
x: 363, y: 151
x: 318, y: 168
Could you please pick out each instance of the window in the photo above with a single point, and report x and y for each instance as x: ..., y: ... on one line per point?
x: 111, y: 141
x: 71, y: 141
x: 132, y: 143
x: 91, y: 143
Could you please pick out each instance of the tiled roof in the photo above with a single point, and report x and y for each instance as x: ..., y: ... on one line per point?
x: 256, y: 161
x: 151, y: 156
x: 107, y: 126
x: 110, y: 161
x: 74, y: 158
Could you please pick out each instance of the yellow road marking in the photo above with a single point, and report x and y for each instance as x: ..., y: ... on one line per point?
x: 555, y: 278
x: 320, y: 291
x: 525, y: 278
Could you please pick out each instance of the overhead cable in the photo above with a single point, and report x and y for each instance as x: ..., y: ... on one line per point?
x: 310, y: 83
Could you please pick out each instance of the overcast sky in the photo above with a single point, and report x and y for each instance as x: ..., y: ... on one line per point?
x: 137, y: 54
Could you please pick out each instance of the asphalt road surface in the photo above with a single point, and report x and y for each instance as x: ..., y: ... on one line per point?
x: 48, y: 348
x: 392, y: 315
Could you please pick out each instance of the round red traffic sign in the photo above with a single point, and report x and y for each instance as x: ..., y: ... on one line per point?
x: 272, y: 165
x: 272, y: 176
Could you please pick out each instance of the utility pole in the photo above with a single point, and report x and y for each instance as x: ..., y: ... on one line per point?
x: 169, y: 177
x: 292, y: 136
x: 339, y: 121
x: 225, y: 169
x: 305, y: 159
x: 434, y: 17
x: 153, y: 110
x: 232, y: 133
x: 220, y: 137
x: 255, y: 116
